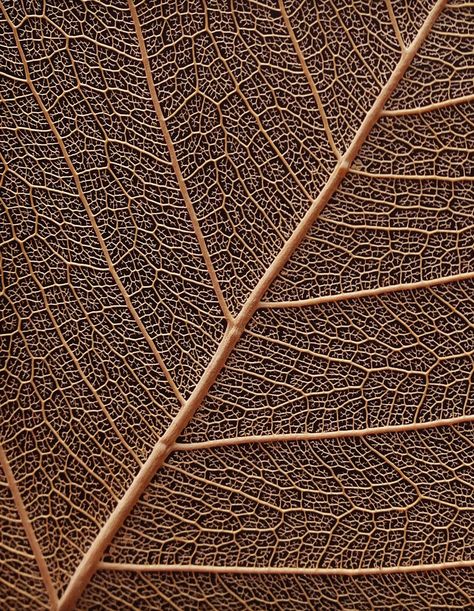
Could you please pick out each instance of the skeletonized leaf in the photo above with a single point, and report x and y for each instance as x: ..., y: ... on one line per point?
x: 237, y: 304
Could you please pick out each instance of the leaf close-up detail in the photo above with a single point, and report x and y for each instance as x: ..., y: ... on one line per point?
x: 237, y: 305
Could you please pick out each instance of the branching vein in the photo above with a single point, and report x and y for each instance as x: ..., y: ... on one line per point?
x: 91, y: 559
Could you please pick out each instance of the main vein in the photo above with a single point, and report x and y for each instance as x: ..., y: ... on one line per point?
x: 164, y: 446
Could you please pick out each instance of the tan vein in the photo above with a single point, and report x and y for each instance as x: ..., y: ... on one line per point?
x: 419, y: 110
x: 175, y: 163
x: 309, y: 78
x: 419, y: 177
x: 460, y: 5
x: 88, y: 209
x: 288, y: 437
x: 91, y: 559
x: 380, y: 290
x: 30, y: 533
x: 70, y: 352
x: 395, y: 26
x: 284, y: 570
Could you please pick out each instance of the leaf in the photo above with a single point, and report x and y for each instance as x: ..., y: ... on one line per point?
x: 237, y: 305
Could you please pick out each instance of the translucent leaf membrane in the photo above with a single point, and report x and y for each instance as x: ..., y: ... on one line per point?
x: 440, y: 590
x: 370, y: 362
x: 20, y: 581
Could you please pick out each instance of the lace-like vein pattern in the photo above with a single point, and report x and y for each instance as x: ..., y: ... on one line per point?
x: 88, y: 73
x: 85, y: 398
x: 20, y: 581
x: 174, y: 434
x: 353, y: 503
x: 424, y: 592
x: 397, y: 359
x: 246, y: 128
x: 393, y: 223
x: 447, y: 57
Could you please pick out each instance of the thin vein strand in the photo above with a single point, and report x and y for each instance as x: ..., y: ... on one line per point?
x: 285, y: 570
x: 175, y: 163
x: 309, y: 78
x: 92, y: 558
x: 380, y: 290
x: 88, y: 209
x: 395, y: 26
x: 419, y: 110
x: 289, y: 437
x: 69, y: 350
x: 419, y: 177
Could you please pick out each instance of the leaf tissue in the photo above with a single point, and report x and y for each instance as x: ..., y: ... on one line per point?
x: 237, y: 307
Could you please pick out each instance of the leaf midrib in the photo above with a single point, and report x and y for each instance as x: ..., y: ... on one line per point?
x: 164, y: 446
x: 236, y: 327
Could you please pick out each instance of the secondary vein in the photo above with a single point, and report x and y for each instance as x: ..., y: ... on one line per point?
x: 164, y: 446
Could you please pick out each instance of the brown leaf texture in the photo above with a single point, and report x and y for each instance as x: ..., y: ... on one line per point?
x: 237, y: 305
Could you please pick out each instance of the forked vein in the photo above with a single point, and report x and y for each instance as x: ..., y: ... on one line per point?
x: 164, y: 446
x: 91, y: 560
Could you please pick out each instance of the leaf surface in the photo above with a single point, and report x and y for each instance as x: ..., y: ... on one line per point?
x: 237, y: 305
